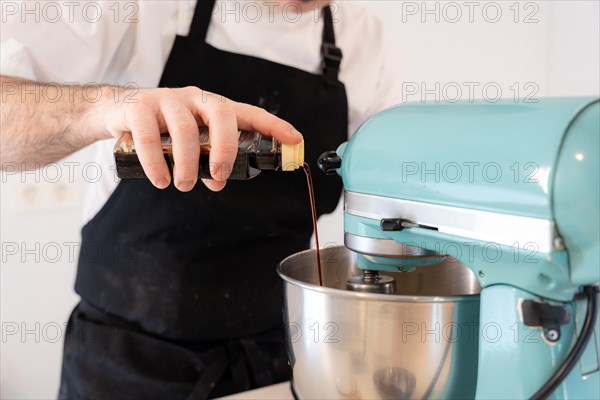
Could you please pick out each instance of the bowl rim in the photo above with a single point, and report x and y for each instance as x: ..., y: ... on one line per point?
x: 370, y: 296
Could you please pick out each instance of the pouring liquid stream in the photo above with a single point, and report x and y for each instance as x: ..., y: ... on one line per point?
x: 311, y: 193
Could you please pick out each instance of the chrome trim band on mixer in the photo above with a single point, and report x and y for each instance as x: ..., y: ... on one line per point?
x: 385, y: 248
x: 503, y: 229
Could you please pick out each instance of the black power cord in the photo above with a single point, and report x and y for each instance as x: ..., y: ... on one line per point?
x: 591, y: 292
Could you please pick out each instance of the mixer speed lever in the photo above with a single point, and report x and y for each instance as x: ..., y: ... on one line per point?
x: 399, y: 224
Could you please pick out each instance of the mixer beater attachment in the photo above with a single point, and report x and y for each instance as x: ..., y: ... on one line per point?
x: 371, y: 282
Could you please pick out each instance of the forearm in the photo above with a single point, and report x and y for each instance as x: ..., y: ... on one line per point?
x: 40, y: 124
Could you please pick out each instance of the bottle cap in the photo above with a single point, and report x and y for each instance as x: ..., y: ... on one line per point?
x: 292, y: 156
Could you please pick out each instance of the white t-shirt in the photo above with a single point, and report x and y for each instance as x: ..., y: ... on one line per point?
x: 129, y: 42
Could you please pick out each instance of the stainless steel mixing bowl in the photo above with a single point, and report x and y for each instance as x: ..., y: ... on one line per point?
x: 420, y: 342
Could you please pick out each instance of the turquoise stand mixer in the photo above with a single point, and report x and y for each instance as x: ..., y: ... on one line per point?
x: 510, y: 190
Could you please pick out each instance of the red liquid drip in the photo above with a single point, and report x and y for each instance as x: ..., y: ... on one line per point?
x: 311, y: 193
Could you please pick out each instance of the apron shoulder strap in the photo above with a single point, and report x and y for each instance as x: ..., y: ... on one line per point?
x: 202, y: 15
x: 331, y: 54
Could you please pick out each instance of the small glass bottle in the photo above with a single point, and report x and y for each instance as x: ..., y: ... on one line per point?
x: 256, y: 153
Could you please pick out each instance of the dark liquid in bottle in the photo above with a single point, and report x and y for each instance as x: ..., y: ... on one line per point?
x: 311, y: 193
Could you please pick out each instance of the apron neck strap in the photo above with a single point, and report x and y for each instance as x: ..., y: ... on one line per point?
x: 201, y: 21
x: 330, y: 53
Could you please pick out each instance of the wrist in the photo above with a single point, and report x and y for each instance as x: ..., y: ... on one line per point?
x: 90, y: 122
x: 102, y: 115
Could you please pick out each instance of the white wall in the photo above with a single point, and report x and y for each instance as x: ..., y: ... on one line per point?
x: 557, y: 55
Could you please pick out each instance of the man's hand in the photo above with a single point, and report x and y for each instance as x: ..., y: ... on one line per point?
x: 180, y: 112
x: 35, y: 133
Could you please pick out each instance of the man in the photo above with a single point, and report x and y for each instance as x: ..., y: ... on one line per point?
x: 183, y: 299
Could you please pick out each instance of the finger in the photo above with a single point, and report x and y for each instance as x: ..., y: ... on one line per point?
x: 219, y: 114
x: 186, y: 143
x: 215, y: 186
x: 141, y: 121
x: 257, y: 119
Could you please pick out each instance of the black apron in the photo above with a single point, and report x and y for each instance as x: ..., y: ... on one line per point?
x: 179, y: 290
